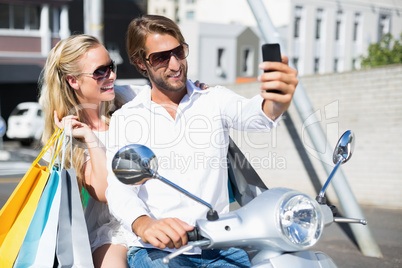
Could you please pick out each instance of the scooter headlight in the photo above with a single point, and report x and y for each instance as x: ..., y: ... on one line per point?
x: 300, y: 220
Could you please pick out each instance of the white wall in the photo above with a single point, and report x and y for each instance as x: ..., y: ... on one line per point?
x: 369, y: 102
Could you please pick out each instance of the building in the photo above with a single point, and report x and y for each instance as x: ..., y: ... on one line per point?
x: 30, y: 28
x: 221, y: 53
x: 321, y: 36
x: 328, y: 36
x: 221, y: 11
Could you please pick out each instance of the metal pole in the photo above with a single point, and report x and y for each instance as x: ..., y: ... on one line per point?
x: 347, y: 200
x: 97, y: 19
x: 87, y: 17
x: 93, y: 18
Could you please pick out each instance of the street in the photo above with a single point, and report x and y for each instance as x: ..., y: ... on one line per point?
x: 15, y: 160
x: 385, y: 224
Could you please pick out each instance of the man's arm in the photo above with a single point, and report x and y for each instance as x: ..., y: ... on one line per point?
x: 123, y: 200
x: 281, y: 78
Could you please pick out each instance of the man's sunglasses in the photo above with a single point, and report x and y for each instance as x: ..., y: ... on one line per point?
x: 103, y: 72
x: 162, y: 58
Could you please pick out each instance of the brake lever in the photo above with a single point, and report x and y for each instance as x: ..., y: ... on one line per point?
x: 186, y: 248
x: 350, y: 220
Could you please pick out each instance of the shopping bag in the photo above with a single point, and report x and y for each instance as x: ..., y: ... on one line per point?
x: 17, y: 213
x: 72, y: 245
x: 60, y: 233
x: 245, y: 183
x: 72, y: 248
x: 45, y: 254
x: 35, y: 234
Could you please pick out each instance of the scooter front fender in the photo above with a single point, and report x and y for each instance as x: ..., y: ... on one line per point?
x: 301, y: 259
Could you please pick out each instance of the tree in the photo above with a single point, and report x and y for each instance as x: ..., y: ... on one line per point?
x: 388, y: 51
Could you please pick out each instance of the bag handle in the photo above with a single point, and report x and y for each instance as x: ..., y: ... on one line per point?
x: 63, y: 152
x: 48, y: 145
x: 56, y: 149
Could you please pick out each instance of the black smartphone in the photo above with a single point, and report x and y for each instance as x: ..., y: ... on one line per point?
x: 271, y: 52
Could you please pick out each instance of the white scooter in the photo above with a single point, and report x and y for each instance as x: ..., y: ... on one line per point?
x: 275, y: 228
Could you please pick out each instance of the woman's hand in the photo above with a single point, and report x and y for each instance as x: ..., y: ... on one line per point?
x: 201, y: 85
x: 73, y: 127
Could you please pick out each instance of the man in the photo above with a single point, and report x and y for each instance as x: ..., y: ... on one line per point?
x: 188, y: 129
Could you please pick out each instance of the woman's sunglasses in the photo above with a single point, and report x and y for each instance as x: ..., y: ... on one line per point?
x: 162, y: 58
x: 103, y: 72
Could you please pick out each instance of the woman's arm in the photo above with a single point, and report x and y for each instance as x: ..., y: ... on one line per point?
x: 95, y: 173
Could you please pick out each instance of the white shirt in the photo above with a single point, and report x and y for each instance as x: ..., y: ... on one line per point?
x: 191, y: 150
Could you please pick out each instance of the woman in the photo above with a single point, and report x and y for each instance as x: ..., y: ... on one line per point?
x: 78, y: 91
x: 78, y: 94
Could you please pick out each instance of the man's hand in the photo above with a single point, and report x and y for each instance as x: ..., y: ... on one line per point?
x: 169, y: 232
x: 280, y: 83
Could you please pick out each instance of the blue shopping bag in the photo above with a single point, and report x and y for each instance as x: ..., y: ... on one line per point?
x: 28, y: 251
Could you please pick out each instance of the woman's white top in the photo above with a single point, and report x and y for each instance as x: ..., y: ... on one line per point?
x: 103, y: 228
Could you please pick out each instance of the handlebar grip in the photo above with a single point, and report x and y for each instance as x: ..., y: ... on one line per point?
x: 194, y: 235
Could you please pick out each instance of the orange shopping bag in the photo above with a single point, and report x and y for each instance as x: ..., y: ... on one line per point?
x: 17, y: 213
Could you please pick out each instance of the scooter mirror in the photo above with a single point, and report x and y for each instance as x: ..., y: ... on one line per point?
x: 344, y: 148
x: 134, y: 164
x: 342, y: 153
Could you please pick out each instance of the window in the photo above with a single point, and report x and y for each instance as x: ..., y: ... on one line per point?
x: 4, y: 16
x: 54, y: 21
x: 295, y: 62
x: 356, y: 26
x: 220, y: 55
x: 34, y: 15
x: 338, y: 25
x: 176, y: 15
x: 336, y: 62
x: 298, y: 11
x: 355, y: 64
x: 318, y: 24
x: 19, y: 17
x: 247, y: 61
x: 384, y: 25
x: 220, y: 72
x: 190, y: 15
x: 316, y: 65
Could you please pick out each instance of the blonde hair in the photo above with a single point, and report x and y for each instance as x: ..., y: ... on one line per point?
x: 57, y: 95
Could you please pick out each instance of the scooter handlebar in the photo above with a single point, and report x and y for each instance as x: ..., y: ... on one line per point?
x: 194, y: 235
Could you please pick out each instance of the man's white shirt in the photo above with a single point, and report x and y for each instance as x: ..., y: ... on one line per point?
x: 191, y: 151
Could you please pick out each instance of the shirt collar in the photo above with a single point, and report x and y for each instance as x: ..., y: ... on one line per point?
x: 144, y: 96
